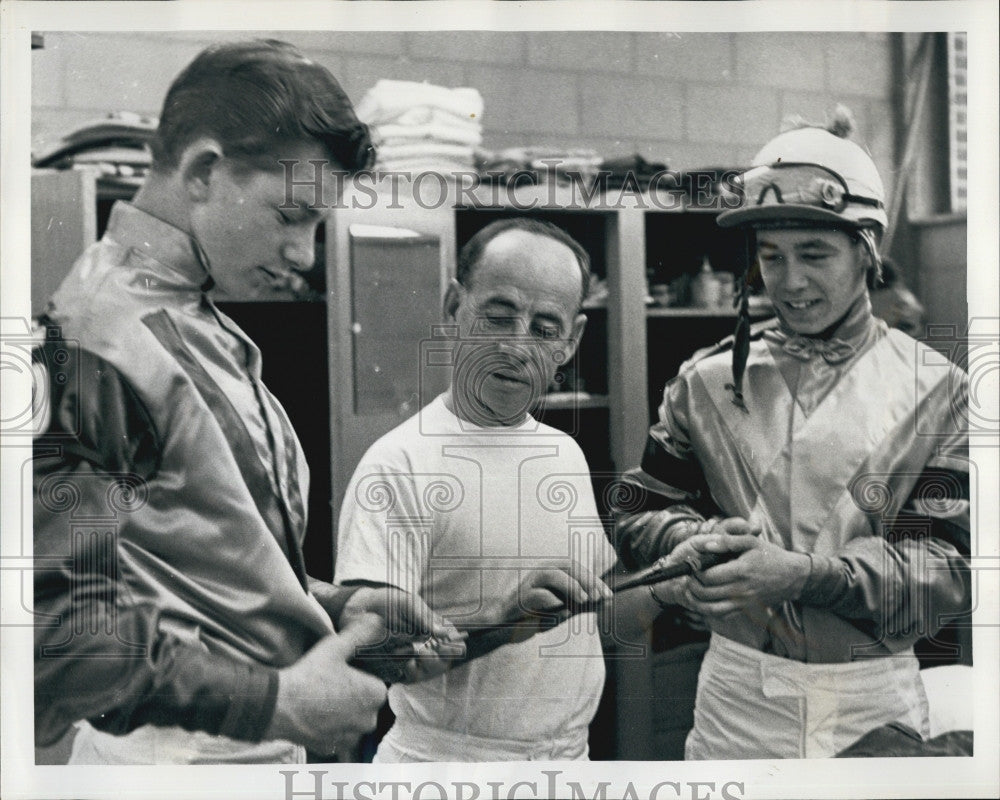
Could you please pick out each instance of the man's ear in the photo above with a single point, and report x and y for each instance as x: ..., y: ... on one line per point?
x: 197, y: 166
x: 577, y: 333
x: 452, y: 299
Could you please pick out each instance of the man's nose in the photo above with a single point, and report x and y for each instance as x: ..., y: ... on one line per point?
x: 795, y: 276
x: 300, y: 251
x: 514, y: 348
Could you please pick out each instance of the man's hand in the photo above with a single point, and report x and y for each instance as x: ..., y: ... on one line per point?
x: 542, y: 599
x: 734, y: 526
x: 761, y: 575
x: 322, y: 702
x: 407, y: 620
x: 404, y: 614
x: 547, y: 588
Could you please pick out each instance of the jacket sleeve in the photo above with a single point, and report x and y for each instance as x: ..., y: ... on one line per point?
x: 668, y: 487
x: 99, y: 654
x: 910, y: 580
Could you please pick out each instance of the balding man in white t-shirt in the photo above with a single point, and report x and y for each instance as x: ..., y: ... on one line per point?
x: 473, y: 504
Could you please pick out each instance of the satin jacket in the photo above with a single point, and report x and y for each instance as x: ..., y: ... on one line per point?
x: 169, y: 502
x: 851, y: 449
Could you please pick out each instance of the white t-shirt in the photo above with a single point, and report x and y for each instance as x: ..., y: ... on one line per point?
x: 456, y: 513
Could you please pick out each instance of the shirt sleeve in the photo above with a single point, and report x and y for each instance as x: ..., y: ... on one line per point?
x: 98, y: 655
x: 377, y: 540
x: 668, y: 487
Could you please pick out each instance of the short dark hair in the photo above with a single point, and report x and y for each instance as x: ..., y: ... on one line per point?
x: 254, y: 97
x: 472, y: 252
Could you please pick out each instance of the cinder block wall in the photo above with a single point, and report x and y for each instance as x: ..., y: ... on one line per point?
x: 692, y: 99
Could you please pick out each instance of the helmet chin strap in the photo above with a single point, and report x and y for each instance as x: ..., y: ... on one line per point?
x: 741, y: 336
x: 867, y: 237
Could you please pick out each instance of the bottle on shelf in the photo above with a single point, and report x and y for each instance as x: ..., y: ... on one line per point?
x: 727, y: 289
x: 705, y: 287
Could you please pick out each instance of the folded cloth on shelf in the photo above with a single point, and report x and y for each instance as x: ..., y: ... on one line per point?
x: 448, y: 169
x: 428, y: 115
x: 500, y: 162
x: 424, y: 149
x: 537, y: 156
x: 540, y: 162
x: 389, y: 101
x: 635, y: 168
x: 420, y: 127
x: 464, y: 134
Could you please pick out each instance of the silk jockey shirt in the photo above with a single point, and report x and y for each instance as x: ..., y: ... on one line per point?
x: 169, y: 502
x: 852, y: 450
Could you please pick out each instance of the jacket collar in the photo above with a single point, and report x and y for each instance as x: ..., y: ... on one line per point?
x: 852, y: 328
x: 835, y: 344
x: 159, y: 241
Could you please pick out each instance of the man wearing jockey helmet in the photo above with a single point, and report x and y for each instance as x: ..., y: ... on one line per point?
x: 801, y: 453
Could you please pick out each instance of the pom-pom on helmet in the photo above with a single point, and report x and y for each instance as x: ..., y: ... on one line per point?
x: 811, y: 175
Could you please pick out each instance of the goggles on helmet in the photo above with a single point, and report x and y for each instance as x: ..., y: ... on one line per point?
x: 799, y: 184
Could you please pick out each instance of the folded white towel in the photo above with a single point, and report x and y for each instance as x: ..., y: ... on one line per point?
x: 388, y: 99
x: 429, y: 115
x: 423, y: 148
x: 426, y: 164
x: 398, y: 134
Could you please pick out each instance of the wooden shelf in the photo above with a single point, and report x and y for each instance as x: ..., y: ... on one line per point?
x: 571, y: 400
x: 655, y: 311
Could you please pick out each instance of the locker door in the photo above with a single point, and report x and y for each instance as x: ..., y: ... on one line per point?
x: 387, y: 272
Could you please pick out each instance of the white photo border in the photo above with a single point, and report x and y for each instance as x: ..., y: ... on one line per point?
x: 869, y: 778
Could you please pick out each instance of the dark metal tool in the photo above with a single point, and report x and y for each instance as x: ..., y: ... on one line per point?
x: 389, y: 659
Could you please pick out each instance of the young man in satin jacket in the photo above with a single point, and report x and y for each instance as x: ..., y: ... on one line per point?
x: 176, y: 620
x: 829, y: 459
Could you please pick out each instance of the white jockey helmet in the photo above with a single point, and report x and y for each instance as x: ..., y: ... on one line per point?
x: 810, y: 175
